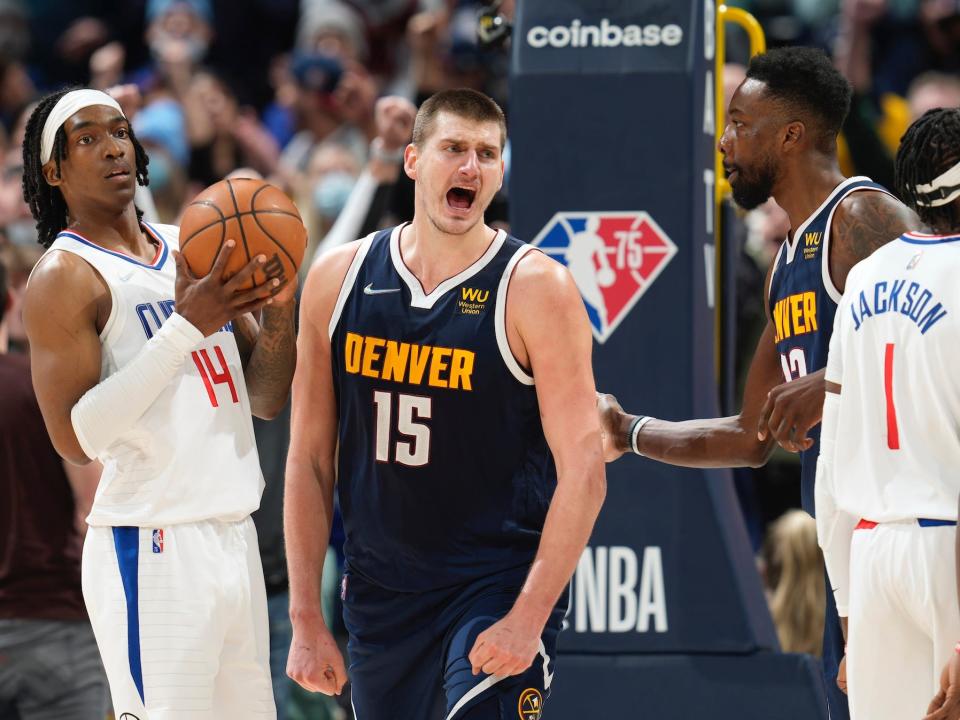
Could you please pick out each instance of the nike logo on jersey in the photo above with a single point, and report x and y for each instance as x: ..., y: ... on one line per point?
x: 368, y: 290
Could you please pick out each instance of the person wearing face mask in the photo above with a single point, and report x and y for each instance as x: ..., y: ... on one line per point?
x: 160, y: 127
x: 374, y: 199
x: 329, y: 181
x: 331, y: 193
x: 178, y: 36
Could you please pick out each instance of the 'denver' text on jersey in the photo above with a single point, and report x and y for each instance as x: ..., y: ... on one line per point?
x: 803, y: 304
x: 439, y: 426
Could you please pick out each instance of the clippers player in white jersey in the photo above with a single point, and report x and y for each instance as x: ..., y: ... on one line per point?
x: 887, y: 483
x: 155, y: 373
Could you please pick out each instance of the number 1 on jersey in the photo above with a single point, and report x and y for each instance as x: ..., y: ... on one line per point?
x: 410, y: 408
x: 893, y: 432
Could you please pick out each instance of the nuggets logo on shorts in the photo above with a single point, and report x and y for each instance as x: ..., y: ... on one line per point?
x: 530, y: 706
x: 613, y: 257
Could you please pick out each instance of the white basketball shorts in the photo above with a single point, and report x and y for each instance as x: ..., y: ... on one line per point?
x: 180, y: 616
x: 904, y: 618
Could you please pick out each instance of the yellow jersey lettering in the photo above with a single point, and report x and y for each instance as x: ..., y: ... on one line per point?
x: 795, y: 315
x: 419, y: 355
x: 371, y: 354
x: 439, y: 367
x: 395, y: 360
x: 438, y: 364
x: 352, y: 350
x: 473, y: 295
x: 810, y: 311
x: 461, y: 368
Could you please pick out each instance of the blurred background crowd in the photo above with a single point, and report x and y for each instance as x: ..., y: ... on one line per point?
x: 319, y: 96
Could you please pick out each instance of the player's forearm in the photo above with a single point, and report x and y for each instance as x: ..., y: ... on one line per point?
x: 570, y: 519
x: 109, y: 409
x: 712, y: 442
x: 272, y: 361
x: 307, y: 519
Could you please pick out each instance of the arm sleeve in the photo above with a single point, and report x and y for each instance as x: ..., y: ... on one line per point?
x: 834, y: 371
x: 113, y: 406
x: 834, y: 526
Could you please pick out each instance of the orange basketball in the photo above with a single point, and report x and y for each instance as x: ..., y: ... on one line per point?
x: 257, y: 216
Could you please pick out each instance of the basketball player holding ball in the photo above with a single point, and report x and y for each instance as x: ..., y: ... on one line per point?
x: 155, y: 372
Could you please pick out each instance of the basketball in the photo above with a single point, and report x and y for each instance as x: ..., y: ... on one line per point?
x: 257, y: 216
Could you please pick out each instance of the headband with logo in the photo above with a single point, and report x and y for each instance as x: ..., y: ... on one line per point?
x: 941, y: 190
x: 66, y: 106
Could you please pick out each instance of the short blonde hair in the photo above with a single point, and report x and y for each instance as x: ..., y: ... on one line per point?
x: 462, y: 102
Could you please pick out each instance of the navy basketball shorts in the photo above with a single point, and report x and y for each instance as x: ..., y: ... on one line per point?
x: 409, y: 652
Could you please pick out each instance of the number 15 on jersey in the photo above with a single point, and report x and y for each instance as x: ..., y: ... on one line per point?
x: 407, y: 411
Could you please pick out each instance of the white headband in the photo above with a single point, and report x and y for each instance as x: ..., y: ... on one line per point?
x: 945, y: 188
x: 65, y: 107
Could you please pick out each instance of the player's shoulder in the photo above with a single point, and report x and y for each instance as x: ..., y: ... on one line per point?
x: 328, y: 272
x: 539, y: 279
x: 335, y: 261
x: 536, y: 267
x: 61, y: 280
x: 59, y: 268
x: 871, y: 210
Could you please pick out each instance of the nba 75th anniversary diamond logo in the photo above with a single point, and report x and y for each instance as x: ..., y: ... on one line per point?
x: 613, y: 257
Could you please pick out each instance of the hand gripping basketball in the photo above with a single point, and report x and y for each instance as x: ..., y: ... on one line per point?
x: 212, y: 301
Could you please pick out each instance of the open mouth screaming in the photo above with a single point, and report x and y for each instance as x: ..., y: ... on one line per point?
x: 460, y: 198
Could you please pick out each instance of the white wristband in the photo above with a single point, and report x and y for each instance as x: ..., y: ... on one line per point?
x: 113, y: 406
x: 635, y: 430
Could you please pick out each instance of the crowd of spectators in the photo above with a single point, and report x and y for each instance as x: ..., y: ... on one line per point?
x: 319, y: 96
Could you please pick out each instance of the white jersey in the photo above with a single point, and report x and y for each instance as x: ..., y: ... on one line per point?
x: 894, y: 352
x: 192, y: 455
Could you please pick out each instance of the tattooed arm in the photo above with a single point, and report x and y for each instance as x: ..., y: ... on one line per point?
x: 863, y: 222
x: 269, y: 354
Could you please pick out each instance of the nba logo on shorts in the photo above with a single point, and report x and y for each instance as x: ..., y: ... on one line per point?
x: 613, y: 257
x: 158, y: 540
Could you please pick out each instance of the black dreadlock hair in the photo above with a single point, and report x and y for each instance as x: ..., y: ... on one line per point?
x: 930, y: 147
x: 46, y: 202
x: 806, y: 81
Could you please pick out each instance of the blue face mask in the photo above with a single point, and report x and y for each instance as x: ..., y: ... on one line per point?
x: 158, y: 171
x: 331, y: 193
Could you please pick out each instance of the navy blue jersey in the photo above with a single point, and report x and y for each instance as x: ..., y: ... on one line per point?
x: 803, y: 301
x: 444, y: 473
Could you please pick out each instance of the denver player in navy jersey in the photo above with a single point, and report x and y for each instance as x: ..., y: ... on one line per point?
x: 780, y: 141
x: 468, y: 490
